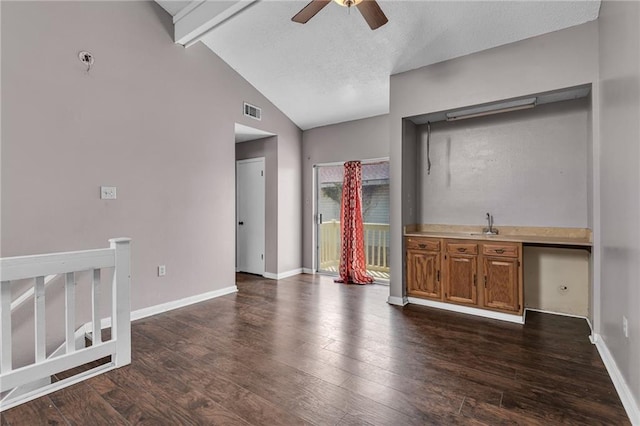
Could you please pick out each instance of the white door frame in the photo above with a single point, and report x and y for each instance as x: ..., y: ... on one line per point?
x: 315, y: 264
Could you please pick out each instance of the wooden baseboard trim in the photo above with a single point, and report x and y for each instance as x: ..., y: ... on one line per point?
x: 517, y: 319
x: 624, y: 392
x: 308, y: 271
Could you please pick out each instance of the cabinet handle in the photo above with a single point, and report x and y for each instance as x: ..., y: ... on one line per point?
x: 438, y: 276
x: 499, y: 251
x: 462, y: 249
x: 485, y: 281
x: 422, y: 246
x: 475, y: 280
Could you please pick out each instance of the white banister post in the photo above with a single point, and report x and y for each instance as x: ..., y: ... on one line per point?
x: 121, y: 304
x: 40, y: 316
x: 5, y: 327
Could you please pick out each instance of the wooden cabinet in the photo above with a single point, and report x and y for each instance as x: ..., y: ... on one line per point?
x: 502, y: 276
x: 476, y: 273
x: 460, y: 272
x: 423, y: 268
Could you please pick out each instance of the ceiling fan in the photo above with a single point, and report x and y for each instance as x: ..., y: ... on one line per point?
x: 369, y: 9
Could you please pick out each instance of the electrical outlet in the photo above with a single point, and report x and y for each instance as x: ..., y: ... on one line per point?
x: 162, y: 270
x: 625, y: 326
x: 108, y: 192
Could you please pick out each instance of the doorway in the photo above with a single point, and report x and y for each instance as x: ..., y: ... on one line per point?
x: 375, y: 211
x: 250, y: 215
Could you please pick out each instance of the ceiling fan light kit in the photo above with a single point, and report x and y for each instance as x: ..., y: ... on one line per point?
x: 348, y: 3
x: 369, y: 9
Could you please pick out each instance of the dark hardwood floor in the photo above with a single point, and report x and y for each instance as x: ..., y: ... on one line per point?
x: 306, y: 350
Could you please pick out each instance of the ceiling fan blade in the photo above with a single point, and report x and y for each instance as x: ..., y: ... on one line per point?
x: 309, y: 11
x: 372, y: 13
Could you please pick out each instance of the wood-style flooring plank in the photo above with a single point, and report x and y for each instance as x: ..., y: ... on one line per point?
x: 80, y: 405
x: 249, y: 406
x: 351, y: 420
x: 40, y: 411
x: 430, y: 407
x: 305, y: 350
x: 134, y: 403
x: 491, y: 414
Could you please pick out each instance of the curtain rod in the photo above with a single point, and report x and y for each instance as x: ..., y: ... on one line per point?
x: 367, y: 161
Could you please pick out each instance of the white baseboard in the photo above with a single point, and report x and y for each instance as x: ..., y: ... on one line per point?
x: 308, y: 271
x: 624, y: 392
x: 518, y: 319
x: 282, y: 275
x: 169, y: 306
x: 556, y: 313
x: 592, y: 337
x: 175, y: 304
x: 398, y: 301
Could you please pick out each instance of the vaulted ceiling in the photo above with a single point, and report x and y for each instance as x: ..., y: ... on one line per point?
x: 335, y: 68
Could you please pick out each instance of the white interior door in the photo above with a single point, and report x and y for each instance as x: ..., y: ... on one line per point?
x: 250, y: 215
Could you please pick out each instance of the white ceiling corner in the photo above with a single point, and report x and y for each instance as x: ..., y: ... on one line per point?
x: 335, y: 69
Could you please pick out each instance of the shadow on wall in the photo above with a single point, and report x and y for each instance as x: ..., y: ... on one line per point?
x: 163, y: 16
x: 556, y: 280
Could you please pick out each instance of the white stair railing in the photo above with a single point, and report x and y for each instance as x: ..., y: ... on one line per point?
x: 20, y: 300
x: 37, y: 268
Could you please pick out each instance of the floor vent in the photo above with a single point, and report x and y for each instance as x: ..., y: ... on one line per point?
x: 252, y: 111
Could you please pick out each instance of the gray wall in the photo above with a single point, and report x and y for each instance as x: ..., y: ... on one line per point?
x: 552, y: 61
x: 353, y: 140
x: 620, y: 185
x: 267, y: 148
x: 289, y: 199
x: 527, y: 168
x: 152, y: 118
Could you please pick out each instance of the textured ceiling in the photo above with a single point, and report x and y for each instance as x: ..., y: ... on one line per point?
x: 334, y: 68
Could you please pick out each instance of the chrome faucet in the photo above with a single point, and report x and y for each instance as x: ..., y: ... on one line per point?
x: 490, y: 230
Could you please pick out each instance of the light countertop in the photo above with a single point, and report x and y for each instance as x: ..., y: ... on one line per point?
x: 531, y: 235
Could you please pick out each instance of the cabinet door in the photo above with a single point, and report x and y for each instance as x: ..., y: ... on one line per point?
x: 460, y: 281
x: 423, y: 273
x: 501, y: 283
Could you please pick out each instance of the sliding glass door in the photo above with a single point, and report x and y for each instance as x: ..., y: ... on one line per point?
x: 375, y: 210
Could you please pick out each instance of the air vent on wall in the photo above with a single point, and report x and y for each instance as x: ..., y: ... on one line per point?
x: 252, y: 111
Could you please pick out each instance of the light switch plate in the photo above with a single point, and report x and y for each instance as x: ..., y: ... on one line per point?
x: 107, y: 192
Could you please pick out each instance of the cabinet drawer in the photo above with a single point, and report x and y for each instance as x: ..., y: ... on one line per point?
x: 422, y: 244
x: 462, y: 248
x: 504, y: 250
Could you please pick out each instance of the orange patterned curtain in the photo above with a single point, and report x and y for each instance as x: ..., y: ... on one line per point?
x: 353, y: 267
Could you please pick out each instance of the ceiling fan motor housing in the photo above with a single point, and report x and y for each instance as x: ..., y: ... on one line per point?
x: 370, y: 11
